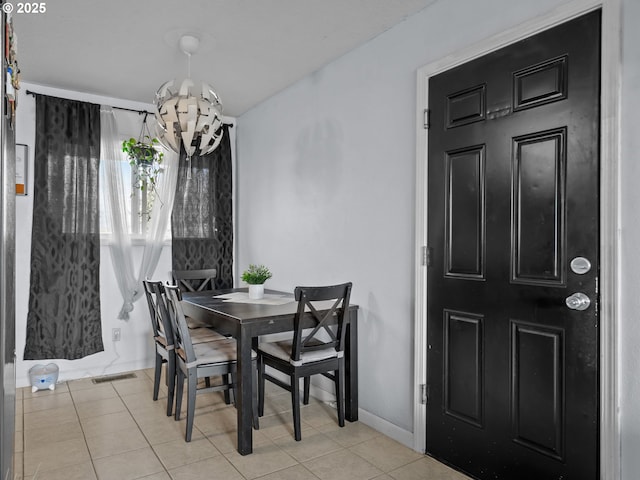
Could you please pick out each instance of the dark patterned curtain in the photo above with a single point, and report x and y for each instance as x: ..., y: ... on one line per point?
x: 64, y: 298
x: 202, y: 222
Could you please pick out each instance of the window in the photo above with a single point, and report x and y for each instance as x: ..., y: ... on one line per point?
x: 137, y: 200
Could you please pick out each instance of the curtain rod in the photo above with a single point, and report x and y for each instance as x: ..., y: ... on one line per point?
x: 139, y: 112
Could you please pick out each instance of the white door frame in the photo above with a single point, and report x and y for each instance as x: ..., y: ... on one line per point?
x: 609, y: 213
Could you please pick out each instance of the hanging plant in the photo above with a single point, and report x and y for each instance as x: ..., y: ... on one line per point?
x: 141, y: 153
x: 145, y: 158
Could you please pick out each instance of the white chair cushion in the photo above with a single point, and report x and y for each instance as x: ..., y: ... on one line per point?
x: 201, y: 335
x: 283, y: 349
x: 161, y: 340
x: 215, y: 352
x: 220, y: 351
x: 193, y: 323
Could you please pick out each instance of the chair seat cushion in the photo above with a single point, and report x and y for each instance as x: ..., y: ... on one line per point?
x: 219, y: 351
x: 282, y: 350
x: 161, y: 340
x: 193, y: 323
x: 201, y: 335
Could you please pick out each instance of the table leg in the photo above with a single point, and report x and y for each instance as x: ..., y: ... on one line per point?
x: 244, y: 393
x: 351, y: 368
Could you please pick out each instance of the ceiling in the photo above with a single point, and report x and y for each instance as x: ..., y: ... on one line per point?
x: 249, y: 49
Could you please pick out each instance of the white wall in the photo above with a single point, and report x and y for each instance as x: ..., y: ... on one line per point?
x: 630, y: 240
x: 135, y: 351
x: 326, y: 190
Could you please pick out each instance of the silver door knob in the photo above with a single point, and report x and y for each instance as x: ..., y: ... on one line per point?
x: 578, y: 301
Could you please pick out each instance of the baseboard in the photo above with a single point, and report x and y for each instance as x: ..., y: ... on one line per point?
x: 68, y: 374
x: 387, y: 428
x: 381, y: 425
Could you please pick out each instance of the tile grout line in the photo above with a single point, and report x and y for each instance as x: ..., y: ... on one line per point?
x: 84, y: 435
x: 165, y: 469
x: 129, y: 408
x: 133, y: 417
x: 223, y: 455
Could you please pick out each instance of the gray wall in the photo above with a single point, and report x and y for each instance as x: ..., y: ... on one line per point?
x: 630, y: 240
x: 326, y: 190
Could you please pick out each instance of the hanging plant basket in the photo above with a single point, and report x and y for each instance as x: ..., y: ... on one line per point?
x: 146, y: 160
x: 145, y: 156
x: 141, y: 153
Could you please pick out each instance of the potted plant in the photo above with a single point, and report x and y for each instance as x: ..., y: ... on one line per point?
x: 146, y: 159
x: 255, y: 276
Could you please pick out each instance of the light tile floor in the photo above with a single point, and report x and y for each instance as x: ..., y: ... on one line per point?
x: 85, y: 431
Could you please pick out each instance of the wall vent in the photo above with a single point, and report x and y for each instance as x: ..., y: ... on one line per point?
x: 113, y: 378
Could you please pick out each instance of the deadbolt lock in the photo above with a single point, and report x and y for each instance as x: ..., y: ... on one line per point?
x: 580, y: 265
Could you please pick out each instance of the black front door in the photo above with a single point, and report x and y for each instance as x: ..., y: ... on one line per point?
x: 513, y: 279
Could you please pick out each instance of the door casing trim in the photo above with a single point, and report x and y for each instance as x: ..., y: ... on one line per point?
x: 609, y: 305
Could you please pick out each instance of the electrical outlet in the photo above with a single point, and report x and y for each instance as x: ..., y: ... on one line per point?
x: 116, y: 334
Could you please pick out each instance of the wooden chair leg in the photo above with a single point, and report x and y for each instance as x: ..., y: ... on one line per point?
x: 171, y: 382
x: 156, y: 376
x: 192, y: 385
x: 339, y: 379
x: 295, y: 402
x: 207, y: 382
x: 227, y: 393
x: 179, y: 392
x: 307, y: 383
x: 233, y: 393
x: 261, y: 370
x: 254, y: 396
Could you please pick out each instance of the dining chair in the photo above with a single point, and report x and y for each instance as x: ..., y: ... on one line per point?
x: 163, y: 338
x: 196, y: 281
x: 198, y: 360
x: 316, y: 347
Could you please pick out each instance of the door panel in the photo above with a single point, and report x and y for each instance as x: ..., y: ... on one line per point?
x: 539, y: 166
x: 465, y: 213
x: 538, y: 388
x: 463, y: 368
x: 512, y: 199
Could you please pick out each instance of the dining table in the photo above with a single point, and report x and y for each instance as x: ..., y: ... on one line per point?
x: 231, y: 312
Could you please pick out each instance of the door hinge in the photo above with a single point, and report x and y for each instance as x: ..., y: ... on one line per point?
x: 426, y: 256
x: 424, y: 393
x: 426, y: 118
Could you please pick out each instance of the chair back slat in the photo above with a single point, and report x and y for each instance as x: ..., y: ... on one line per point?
x: 165, y: 320
x: 195, y: 280
x: 154, y: 293
x: 328, y: 329
x: 179, y: 326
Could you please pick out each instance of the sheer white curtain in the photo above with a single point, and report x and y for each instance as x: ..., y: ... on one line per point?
x: 130, y: 281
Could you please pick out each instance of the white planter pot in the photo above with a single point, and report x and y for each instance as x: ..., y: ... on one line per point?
x: 256, y: 291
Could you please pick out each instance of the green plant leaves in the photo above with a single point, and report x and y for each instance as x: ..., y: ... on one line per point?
x: 256, y: 274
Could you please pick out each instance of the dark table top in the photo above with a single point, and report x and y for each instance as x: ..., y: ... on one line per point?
x: 243, y: 312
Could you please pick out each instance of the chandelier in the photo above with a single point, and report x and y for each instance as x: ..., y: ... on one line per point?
x: 187, y: 116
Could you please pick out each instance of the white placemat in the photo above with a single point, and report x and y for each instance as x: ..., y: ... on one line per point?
x: 268, y: 299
